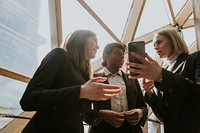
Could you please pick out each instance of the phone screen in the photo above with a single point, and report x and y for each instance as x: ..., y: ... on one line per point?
x: 137, y: 47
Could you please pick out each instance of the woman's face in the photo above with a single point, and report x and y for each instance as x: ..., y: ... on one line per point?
x: 115, y: 59
x: 163, y: 46
x: 91, y: 48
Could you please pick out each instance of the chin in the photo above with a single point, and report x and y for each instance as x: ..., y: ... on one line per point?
x: 92, y: 57
x: 120, y: 66
x: 160, y: 56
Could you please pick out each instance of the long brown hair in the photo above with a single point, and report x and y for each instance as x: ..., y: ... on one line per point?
x: 76, y: 45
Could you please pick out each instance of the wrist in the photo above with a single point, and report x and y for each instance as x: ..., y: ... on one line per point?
x: 159, y: 77
x: 82, y: 94
x: 140, y: 111
x: 149, y: 95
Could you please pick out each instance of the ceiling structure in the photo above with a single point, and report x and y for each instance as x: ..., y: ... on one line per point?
x: 181, y: 20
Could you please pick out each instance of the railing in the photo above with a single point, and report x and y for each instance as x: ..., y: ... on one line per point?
x: 20, y: 121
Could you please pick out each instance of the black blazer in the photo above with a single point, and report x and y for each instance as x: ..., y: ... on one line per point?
x: 179, y: 108
x: 53, y: 93
x: 135, y: 100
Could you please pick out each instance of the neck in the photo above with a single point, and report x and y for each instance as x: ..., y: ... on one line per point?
x: 172, y: 57
x: 113, y: 70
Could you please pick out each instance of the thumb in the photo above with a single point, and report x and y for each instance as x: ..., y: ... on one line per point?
x: 144, y: 81
x: 99, y: 79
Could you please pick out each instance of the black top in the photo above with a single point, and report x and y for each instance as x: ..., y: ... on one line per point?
x: 53, y: 93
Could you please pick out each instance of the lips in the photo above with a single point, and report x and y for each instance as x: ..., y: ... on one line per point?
x: 158, y: 52
x: 94, y: 50
x: 122, y: 62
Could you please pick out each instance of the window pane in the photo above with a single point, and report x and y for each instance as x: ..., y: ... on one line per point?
x: 24, y: 41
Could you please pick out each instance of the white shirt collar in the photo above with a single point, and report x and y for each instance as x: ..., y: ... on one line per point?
x: 107, y: 72
x: 171, y: 60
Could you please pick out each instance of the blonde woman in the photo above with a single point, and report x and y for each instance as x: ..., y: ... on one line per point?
x: 176, y: 101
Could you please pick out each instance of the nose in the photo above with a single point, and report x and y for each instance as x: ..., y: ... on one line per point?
x: 155, y: 46
x: 121, y: 56
x: 97, y: 46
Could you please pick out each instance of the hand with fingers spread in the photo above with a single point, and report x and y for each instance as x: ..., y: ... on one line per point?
x: 149, y: 68
x: 148, y: 86
x: 114, y: 118
x: 133, y: 116
x: 95, y: 90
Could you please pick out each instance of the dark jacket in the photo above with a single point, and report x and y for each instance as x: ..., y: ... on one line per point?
x: 53, y: 93
x: 179, y: 107
x: 135, y: 100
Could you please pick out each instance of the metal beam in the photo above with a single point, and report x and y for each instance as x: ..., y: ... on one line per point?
x: 133, y: 20
x: 96, y: 17
x: 171, y: 12
x: 196, y: 8
x: 189, y: 23
x: 184, y: 13
x: 55, y: 22
x: 193, y: 47
x: 14, y: 75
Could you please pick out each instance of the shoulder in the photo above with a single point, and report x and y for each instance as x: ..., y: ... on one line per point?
x: 58, y: 51
x: 56, y: 55
x: 195, y: 54
x: 194, y: 57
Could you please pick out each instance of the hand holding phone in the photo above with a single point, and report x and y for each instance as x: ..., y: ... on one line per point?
x: 137, y: 47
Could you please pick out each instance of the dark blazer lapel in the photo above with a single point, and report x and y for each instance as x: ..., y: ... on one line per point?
x: 180, y: 63
x: 108, y: 102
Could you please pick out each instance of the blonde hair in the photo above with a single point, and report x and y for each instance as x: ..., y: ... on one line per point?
x: 178, y: 42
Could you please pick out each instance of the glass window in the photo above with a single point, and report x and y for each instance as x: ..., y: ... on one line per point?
x: 3, y: 16
x: 27, y: 6
x: 177, y: 5
x: 154, y: 16
x: 24, y: 41
x: 189, y: 36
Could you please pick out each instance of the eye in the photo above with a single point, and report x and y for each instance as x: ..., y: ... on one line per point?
x: 158, y: 42
x: 117, y: 53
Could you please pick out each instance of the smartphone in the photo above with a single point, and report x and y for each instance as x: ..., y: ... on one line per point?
x: 137, y: 47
